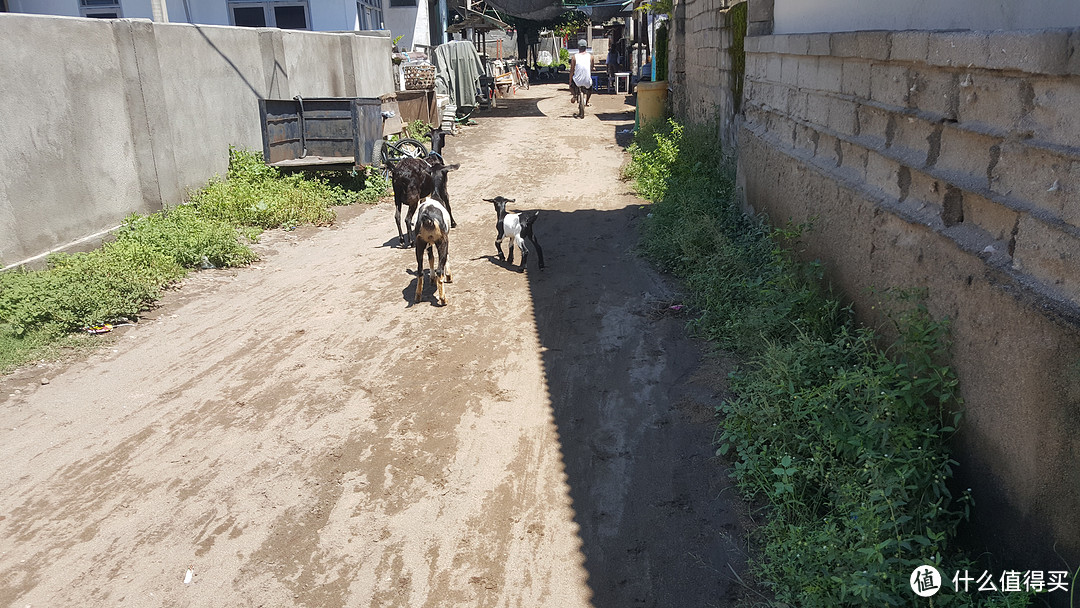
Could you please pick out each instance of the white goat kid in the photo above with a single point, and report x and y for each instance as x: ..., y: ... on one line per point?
x: 517, y: 226
x: 432, y: 231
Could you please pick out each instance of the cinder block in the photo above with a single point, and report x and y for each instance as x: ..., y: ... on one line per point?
x: 1039, y: 177
x: 924, y: 189
x: 1072, y: 64
x: 759, y: 28
x: 778, y: 96
x: 957, y: 49
x: 853, y: 160
x: 1053, y: 115
x: 889, y: 84
x: 909, y: 46
x: 967, y: 155
x: 843, y: 116
x: 808, y: 72
x: 882, y: 173
x: 798, y: 101
x: 759, y: 10
x: 804, y: 138
x: 789, y: 70
x: 911, y: 137
x: 855, y: 79
x: 996, y: 219
x: 827, y: 150
x: 773, y: 65
x: 1049, y: 254
x: 990, y: 99
x: 873, y: 123
x: 796, y: 44
x: 869, y: 44
x: 757, y: 44
x: 817, y: 108
x: 934, y: 90
x: 830, y: 72
x: 1034, y: 52
x: 818, y: 44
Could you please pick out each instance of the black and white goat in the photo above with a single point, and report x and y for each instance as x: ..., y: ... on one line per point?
x: 517, y: 226
x: 432, y: 232
x: 416, y: 178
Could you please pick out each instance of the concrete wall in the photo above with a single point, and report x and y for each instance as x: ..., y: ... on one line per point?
x: 806, y: 16
x: 110, y: 117
x: 700, y: 66
x: 951, y: 161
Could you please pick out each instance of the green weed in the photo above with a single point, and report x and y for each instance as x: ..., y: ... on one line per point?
x: 845, y: 442
x: 38, y: 308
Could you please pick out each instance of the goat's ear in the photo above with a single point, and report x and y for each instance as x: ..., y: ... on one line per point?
x: 490, y: 200
x: 453, y: 167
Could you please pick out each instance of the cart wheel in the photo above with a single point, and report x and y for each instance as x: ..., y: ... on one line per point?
x: 391, y: 152
x: 410, y: 148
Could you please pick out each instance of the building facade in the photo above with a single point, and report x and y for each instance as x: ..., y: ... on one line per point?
x: 417, y: 22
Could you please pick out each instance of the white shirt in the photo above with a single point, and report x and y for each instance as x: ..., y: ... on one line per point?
x: 583, y: 69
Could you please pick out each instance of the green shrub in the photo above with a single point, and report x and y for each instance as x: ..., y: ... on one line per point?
x: 183, y: 234
x: 82, y: 289
x: 255, y: 194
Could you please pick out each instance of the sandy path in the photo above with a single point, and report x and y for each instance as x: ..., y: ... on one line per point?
x: 299, y: 434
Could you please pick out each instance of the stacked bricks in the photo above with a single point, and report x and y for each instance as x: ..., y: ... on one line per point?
x: 990, y: 114
x: 948, y: 160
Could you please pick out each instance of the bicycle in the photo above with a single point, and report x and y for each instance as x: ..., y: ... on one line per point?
x: 523, y: 76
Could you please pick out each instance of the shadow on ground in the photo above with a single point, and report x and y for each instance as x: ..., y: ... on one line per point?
x: 633, y: 399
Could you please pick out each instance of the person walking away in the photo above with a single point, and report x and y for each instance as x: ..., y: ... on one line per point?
x: 612, y: 65
x: 581, y: 66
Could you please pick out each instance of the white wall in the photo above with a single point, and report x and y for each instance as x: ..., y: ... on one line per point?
x: 411, y: 22
x: 109, y: 117
x: 806, y: 16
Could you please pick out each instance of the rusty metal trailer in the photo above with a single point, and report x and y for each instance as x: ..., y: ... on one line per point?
x: 332, y: 133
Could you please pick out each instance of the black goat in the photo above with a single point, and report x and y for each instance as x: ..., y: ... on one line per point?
x: 438, y: 140
x: 517, y: 226
x: 415, y: 179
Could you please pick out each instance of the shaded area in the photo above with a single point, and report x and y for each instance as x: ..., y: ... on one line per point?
x: 633, y: 401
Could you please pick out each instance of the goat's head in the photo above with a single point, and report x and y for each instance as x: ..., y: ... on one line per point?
x: 500, y: 204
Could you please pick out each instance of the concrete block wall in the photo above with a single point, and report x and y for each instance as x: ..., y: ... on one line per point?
x: 110, y: 117
x: 948, y: 160
x: 700, y: 73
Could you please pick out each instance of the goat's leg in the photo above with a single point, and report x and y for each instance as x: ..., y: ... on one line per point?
x: 419, y: 273
x: 498, y: 240
x: 444, y: 253
x: 409, y: 226
x: 510, y: 246
x: 397, y: 222
x: 524, y: 251
x: 444, y: 248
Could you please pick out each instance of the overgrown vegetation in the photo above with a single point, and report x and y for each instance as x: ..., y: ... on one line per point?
x: 39, y: 308
x: 842, y: 440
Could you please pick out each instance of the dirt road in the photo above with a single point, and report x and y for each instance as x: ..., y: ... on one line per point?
x: 298, y: 433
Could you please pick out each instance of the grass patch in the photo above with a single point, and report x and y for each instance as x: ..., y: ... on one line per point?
x: 843, y: 440
x: 39, y: 308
